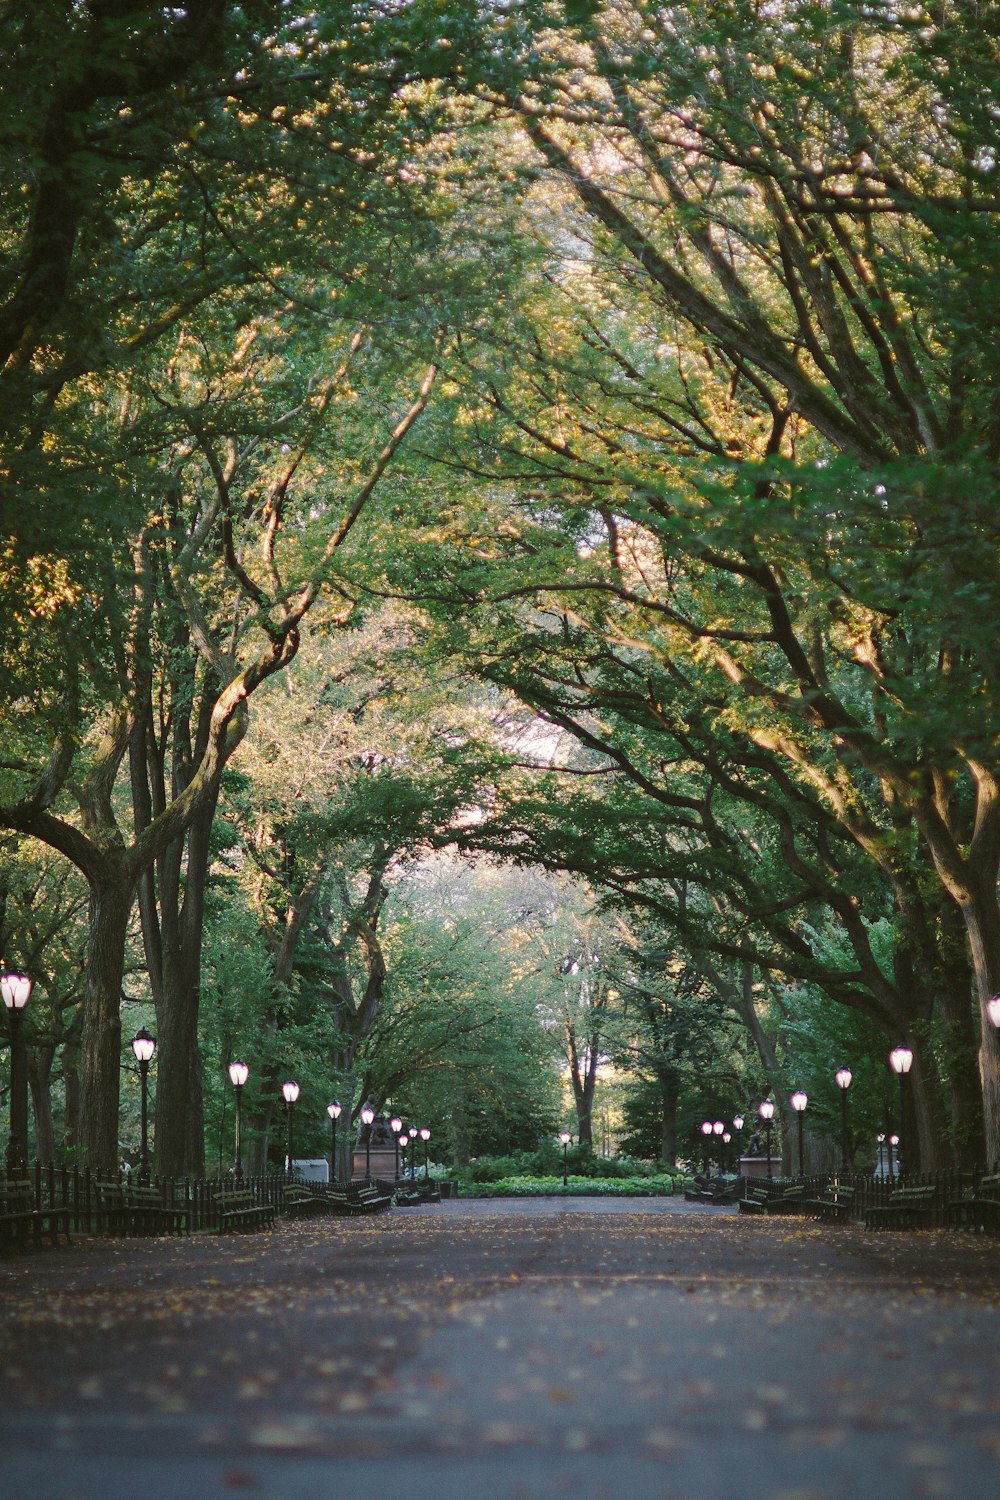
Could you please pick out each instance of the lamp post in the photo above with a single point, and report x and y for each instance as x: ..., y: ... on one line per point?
x: 993, y: 1011
x: 143, y: 1046
x: 290, y: 1092
x: 726, y: 1141
x: 843, y: 1077
x: 706, y: 1133
x: 425, y: 1136
x: 894, y: 1147
x: 798, y: 1101
x: 16, y: 990
x: 396, y: 1125
x: 367, y: 1120
x: 334, y: 1110
x: 565, y: 1137
x: 412, y: 1133
x: 901, y: 1061
x: 238, y: 1075
x: 403, y: 1142
x: 738, y: 1123
x: 766, y: 1111
x: 719, y: 1132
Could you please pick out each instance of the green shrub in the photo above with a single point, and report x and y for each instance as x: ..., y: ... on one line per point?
x: 547, y: 1162
x: 659, y: 1185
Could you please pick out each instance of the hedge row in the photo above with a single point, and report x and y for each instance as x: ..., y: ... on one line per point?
x: 662, y: 1186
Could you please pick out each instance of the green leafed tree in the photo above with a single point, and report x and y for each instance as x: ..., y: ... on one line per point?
x: 737, y: 456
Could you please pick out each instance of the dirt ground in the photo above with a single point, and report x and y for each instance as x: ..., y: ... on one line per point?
x: 506, y: 1351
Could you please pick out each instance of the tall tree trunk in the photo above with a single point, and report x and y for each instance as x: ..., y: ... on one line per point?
x: 100, y: 1048
x: 583, y: 1078
x: 953, y: 992
x: 458, y: 1128
x: 71, y: 1092
x: 40, y: 1082
x: 172, y: 906
x: 345, y: 1125
x: 179, y: 1138
x: 670, y: 1086
x: 982, y: 920
x: 583, y: 1096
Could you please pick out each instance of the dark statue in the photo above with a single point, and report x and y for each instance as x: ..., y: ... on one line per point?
x: 379, y: 1132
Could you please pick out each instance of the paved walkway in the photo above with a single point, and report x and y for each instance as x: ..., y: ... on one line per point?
x: 497, y: 1350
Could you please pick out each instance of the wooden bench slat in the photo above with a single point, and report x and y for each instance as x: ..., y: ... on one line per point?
x: 239, y: 1209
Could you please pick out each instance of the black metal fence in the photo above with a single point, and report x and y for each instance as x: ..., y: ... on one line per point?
x: 79, y: 1191
x: 83, y: 1194
x: 949, y: 1186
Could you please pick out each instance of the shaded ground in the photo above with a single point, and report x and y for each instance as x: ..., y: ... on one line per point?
x: 506, y: 1351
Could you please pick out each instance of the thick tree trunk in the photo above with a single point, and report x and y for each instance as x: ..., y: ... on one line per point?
x: 172, y: 905
x: 100, y: 1049
x: 40, y: 1082
x: 982, y: 920
x: 71, y: 1089
x: 583, y: 1098
x: 345, y: 1127
x: 583, y: 1078
x: 953, y: 992
x: 179, y: 1137
x: 669, y: 1084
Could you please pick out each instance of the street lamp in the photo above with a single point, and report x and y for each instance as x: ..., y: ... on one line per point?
x: 290, y: 1091
x: 901, y: 1061
x: 143, y: 1046
x: 565, y: 1137
x: 738, y: 1123
x: 16, y: 990
x: 993, y: 1010
x: 412, y: 1133
x: 894, y: 1146
x: 718, y: 1131
x: 425, y: 1136
x: 404, y: 1141
x: 238, y: 1075
x: 843, y: 1077
x: 706, y: 1131
x: 396, y: 1125
x: 766, y: 1111
x: 334, y: 1110
x: 367, y: 1120
x: 798, y: 1101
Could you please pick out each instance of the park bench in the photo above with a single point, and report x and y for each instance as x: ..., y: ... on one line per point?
x: 413, y: 1194
x: 147, y: 1213
x: 19, y: 1218
x: 907, y: 1208
x: 838, y: 1204
x: 980, y: 1210
x: 134, y: 1209
x: 112, y: 1209
x: 709, y: 1190
x: 301, y: 1202
x: 781, y: 1200
x: 239, y: 1209
x: 358, y: 1198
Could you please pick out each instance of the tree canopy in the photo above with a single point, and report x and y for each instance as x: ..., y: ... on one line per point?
x: 619, y: 381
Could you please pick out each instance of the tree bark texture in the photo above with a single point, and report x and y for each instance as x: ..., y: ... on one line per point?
x: 669, y: 1086
x: 100, y: 1048
x: 40, y: 1083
